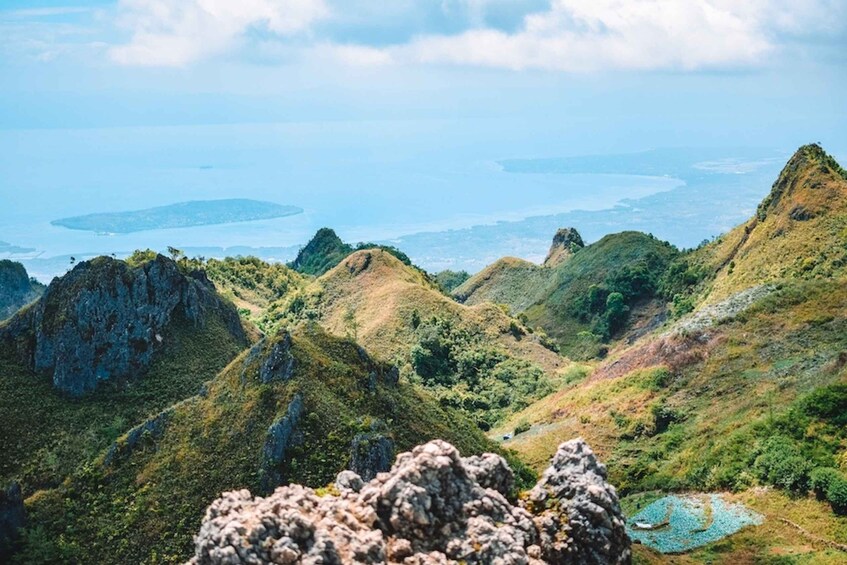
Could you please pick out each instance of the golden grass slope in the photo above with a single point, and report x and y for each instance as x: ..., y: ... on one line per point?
x: 371, y: 296
x: 799, y: 231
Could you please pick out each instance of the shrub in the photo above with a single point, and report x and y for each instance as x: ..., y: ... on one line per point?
x: 828, y: 403
x: 516, y: 330
x: 522, y: 426
x: 616, y: 312
x: 664, y: 416
x: 782, y: 465
x: 836, y: 493
x: 821, y: 478
x: 791, y: 474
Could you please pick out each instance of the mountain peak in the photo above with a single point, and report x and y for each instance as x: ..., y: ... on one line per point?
x: 809, y: 169
x: 797, y: 231
x: 566, y: 242
x: 323, y: 252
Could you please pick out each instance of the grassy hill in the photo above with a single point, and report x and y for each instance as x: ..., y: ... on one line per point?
x: 326, y: 250
x: 399, y: 314
x: 569, y: 297
x: 746, y: 393
x: 798, y: 231
x: 143, y: 502
x: 513, y: 282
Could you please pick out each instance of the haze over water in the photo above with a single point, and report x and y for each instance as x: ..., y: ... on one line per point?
x: 368, y: 180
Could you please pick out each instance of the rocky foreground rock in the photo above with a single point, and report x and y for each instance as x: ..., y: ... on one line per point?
x: 432, y: 507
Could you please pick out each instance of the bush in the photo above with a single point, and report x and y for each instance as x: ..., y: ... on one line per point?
x: 664, y: 416
x: 836, y: 493
x: 828, y: 403
x: 791, y: 474
x: 821, y: 478
x: 522, y: 426
x: 616, y: 313
x: 782, y: 465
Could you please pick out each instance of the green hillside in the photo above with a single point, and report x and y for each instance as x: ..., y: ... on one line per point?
x: 591, y: 295
x: 147, y: 501
x: 746, y: 393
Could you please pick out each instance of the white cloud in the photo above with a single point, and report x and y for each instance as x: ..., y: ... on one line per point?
x: 567, y: 35
x: 585, y: 35
x: 177, y: 32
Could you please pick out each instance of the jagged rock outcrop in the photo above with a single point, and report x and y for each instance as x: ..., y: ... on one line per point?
x: 106, y: 320
x: 431, y: 508
x: 12, y: 517
x: 491, y: 471
x: 16, y: 288
x: 566, y: 242
x: 573, y: 498
x: 371, y: 453
x: 279, y: 364
x: 277, y: 442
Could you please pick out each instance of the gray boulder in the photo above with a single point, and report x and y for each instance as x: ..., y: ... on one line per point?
x: 430, y: 508
x: 573, y: 497
x: 491, y: 471
x: 371, y: 453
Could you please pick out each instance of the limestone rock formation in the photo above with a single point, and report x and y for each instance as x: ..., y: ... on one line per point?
x: 371, y: 453
x: 573, y: 496
x: 277, y: 442
x: 105, y: 320
x: 566, y: 242
x: 491, y: 471
x: 11, y: 518
x: 431, y: 508
x: 16, y: 288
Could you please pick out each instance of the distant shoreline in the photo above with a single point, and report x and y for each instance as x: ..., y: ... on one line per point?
x: 179, y: 215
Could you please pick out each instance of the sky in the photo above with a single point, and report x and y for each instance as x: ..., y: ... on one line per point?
x: 621, y: 74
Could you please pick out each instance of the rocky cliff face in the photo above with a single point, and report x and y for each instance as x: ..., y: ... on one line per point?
x: 16, y: 288
x: 432, y: 507
x: 566, y: 242
x: 11, y: 518
x: 106, y: 320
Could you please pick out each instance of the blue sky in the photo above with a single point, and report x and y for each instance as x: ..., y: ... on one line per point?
x: 674, y: 72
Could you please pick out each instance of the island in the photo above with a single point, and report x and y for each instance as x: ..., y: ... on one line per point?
x: 179, y: 215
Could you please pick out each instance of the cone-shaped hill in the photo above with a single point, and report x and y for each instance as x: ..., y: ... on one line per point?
x: 375, y: 296
x: 799, y: 230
